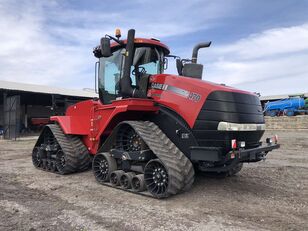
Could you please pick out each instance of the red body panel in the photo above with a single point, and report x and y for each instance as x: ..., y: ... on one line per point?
x: 186, y: 103
x: 92, y: 120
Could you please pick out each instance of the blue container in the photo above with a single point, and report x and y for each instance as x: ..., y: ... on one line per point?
x: 280, y: 105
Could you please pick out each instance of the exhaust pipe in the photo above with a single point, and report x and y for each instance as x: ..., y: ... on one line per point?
x: 196, y: 49
x: 125, y: 82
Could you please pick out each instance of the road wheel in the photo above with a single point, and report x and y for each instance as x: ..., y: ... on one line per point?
x: 60, y: 162
x: 115, y: 177
x: 126, y: 180
x: 138, y: 184
x: 103, y: 165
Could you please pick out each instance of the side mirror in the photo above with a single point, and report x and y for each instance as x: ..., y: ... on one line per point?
x: 179, y: 66
x: 105, y: 47
x: 165, y: 63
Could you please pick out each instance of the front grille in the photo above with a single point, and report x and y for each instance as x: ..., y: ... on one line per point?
x: 229, y: 107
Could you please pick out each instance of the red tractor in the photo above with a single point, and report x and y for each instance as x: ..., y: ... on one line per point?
x: 148, y: 132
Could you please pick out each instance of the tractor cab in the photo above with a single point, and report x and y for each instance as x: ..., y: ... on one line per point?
x: 124, y: 66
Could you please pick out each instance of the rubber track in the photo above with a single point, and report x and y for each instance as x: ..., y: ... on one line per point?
x: 76, y: 154
x: 84, y: 158
x: 180, y: 169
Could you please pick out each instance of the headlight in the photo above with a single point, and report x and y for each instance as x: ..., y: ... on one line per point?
x: 226, y: 126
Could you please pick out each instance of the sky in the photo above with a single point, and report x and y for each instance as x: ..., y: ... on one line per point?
x: 259, y: 46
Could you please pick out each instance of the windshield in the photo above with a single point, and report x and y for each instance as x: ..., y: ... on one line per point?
x: 147, y: 60
x: 109, y: 76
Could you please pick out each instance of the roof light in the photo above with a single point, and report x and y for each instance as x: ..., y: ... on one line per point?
x: 118, y: 33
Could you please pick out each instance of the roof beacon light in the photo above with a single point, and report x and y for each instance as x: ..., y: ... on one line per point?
x: 118, y: 33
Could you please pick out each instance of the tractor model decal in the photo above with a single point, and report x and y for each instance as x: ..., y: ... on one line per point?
x: 179, y: 91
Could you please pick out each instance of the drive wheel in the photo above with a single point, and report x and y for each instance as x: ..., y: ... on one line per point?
x: 103, y: 165
x: 128, y: 140
x: 156, y: 178
x: 37, y: 157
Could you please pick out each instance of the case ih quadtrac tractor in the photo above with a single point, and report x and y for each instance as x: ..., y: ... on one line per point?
x: 148, y: 132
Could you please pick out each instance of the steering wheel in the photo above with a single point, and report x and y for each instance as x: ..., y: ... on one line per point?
x: 139, y: 70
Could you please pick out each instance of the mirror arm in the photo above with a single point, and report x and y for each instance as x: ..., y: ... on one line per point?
x: 115, y: 39
x: 173, y: 56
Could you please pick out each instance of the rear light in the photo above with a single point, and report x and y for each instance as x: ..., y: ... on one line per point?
x: 233, y: 144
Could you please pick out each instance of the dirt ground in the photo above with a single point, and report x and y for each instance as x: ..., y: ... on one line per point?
x: 270, y: 195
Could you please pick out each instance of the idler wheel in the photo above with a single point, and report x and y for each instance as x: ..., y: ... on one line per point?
x: 138, y: 184
x: 103, y: 165
x: 126, y: 180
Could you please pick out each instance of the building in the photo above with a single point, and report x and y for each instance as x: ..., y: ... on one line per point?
x: 24, y: 107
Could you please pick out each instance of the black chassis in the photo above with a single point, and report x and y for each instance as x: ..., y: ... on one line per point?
x: 212, y: 160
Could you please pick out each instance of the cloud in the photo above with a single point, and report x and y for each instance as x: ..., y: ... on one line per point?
x: 29, y: 54
x: 270, y: 43
x: 51, y: 42
x: 271, y: 62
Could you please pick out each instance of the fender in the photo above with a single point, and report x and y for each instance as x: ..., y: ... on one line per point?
x: 175, y: 127
x: 93, y: 120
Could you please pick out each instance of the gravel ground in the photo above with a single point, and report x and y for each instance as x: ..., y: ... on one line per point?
x: 270, y: 195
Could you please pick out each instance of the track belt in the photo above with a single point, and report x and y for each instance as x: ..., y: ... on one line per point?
x: 180, y: 169
x: 76, y: 155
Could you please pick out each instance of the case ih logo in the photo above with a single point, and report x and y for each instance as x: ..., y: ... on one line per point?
x: 179, y: 91
x: 159, y: 86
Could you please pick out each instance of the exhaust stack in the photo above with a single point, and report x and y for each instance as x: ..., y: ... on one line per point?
x: 196, y: 49
x: 125, y: 83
